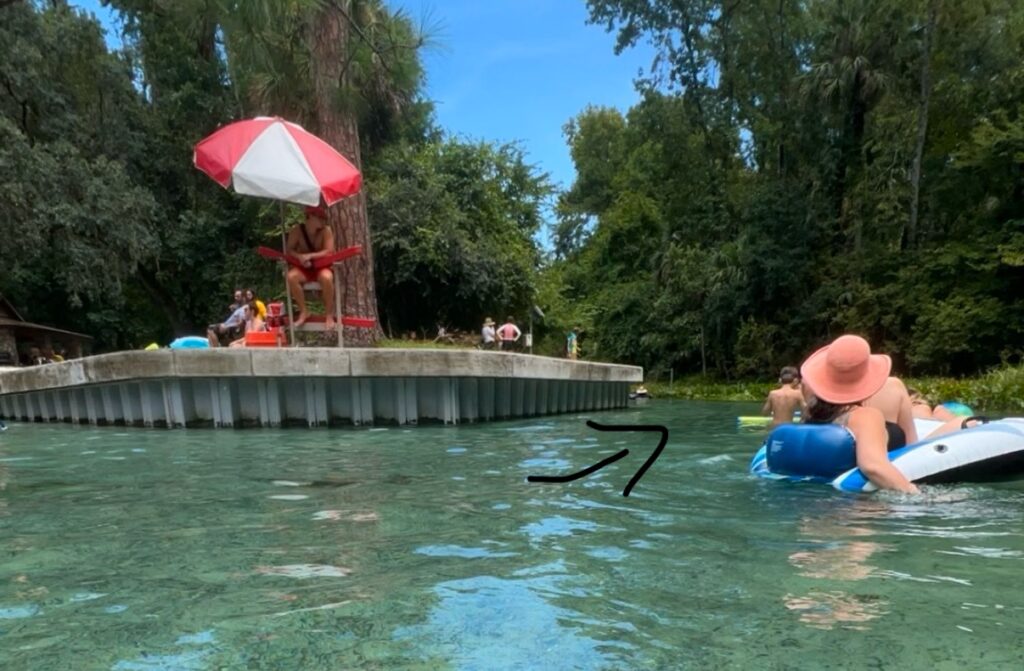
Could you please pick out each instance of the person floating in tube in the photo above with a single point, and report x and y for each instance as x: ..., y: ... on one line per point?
x: 838, y: 380
x: 922, y: 408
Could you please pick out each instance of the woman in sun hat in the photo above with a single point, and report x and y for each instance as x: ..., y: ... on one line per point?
x: 838, y: 378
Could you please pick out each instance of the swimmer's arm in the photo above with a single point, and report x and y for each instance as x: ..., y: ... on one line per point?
x: 767, y: 409
x: 868, y: 426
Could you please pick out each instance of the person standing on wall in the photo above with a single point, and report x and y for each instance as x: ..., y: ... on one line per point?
x: 487, y: 334
x: 572, y: 343
x: 508, y: 335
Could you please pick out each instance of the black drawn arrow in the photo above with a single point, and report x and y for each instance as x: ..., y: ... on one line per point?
x: 615, y: 457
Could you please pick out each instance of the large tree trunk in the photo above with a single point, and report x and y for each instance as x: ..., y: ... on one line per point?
x: 910, y: 238
x: 331, y: 46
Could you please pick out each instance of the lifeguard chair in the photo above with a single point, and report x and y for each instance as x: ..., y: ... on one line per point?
x: 314, y: 322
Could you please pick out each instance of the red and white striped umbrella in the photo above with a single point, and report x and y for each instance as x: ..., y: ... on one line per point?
x: 274, y: 158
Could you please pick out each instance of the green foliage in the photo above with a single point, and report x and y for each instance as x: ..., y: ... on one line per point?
x: 271, y: 69
x: 697, y: 388
x: 999, y: 391
x: 70, y: 128
x: 64, y: 212
x: 110, y: 230
x: 454, y: 226
x: 757, y: 201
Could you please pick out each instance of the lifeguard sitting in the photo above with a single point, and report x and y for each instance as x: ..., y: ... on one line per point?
x: 308, y: 242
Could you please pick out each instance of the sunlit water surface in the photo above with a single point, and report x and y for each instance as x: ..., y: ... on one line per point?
x: 426, y: 548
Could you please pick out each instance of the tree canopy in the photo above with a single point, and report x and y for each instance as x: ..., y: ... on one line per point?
x: 796, y: 170
x: 109, y: 229
x: 791, y: 171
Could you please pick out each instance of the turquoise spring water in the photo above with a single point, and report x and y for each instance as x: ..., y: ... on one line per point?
x: 426, y: 548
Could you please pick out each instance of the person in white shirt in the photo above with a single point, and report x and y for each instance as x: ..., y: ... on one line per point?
x: 487, y: 334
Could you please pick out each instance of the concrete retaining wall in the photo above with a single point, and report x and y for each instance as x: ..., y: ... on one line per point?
x: 308, y: 387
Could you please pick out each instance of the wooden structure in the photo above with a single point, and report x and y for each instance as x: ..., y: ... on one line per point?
x: 17, y: 335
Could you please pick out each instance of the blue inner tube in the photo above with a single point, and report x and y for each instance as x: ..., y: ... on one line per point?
x: 825, y: 453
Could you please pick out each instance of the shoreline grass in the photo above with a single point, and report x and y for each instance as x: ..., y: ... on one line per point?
x: 1001, y: 388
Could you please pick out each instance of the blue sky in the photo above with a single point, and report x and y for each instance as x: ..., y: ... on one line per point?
x: 512, y: 70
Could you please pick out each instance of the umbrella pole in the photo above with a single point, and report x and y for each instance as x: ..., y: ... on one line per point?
x: 287, y: 289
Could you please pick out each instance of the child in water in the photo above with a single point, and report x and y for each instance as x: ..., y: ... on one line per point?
x: 783, y: 402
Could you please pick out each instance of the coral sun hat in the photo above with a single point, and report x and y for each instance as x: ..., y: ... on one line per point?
x: 846, y: 371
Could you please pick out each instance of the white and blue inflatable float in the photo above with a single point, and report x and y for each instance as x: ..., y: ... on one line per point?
x: 824, y: 453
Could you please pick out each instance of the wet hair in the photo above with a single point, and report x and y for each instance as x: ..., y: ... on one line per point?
x: 789, y: 374
x: 823, y: 412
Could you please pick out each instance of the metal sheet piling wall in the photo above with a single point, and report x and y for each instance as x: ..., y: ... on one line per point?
x: 309, y: 388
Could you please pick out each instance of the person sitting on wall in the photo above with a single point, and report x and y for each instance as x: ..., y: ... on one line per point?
x: 259, y: 308
x: 216, y: 333
x: 253, y: 323
x: 237, y: 301
x: 307, y: 241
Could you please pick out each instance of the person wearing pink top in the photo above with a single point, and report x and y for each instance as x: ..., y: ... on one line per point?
x: 508, y: 335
